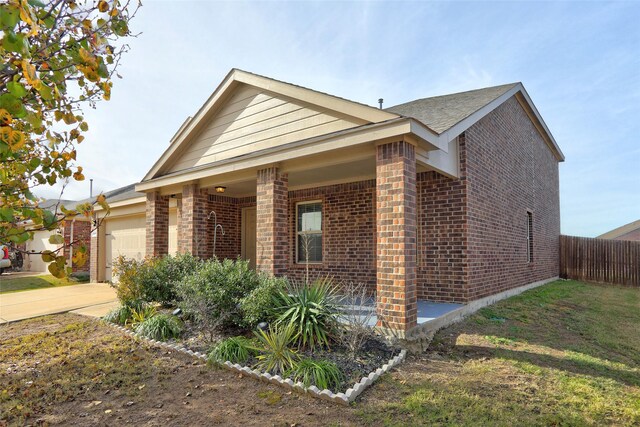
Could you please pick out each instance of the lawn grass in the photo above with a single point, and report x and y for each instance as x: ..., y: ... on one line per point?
x: 18, y: 284
x: 567, y: 353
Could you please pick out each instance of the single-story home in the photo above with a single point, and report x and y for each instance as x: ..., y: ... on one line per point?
x: 451, y: 198
x: 629, y: 231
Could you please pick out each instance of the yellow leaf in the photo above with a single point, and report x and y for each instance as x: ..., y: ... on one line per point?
x: 103, y: 6
x: 113, y: 12
x: 16, y: 140
x: 5, y: 117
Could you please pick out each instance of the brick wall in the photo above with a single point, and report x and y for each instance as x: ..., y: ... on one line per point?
x: 509, y: 171
x: 349, y: 232
x: 396, y: 235
x: 193, y: 234
x: 271, y: 221
x: 81, y: 235
x: 157, y: 224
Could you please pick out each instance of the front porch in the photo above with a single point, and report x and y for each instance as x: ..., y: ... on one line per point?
x: 359, y: 209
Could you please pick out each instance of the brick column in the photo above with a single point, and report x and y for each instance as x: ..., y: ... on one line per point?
x: 272, y: 238
x: 94, y: 254
x: 396, y: 236
x: 157, y: 225
x: 192, y: 230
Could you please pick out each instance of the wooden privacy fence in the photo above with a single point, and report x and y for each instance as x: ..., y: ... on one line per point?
x: 600, y: 260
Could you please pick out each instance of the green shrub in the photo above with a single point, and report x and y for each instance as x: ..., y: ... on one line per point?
x: 160, y: 276
x: 160, y: 327
x: 257, y: 306
x: 212, y: 294
x: 234, y: 350
x: 276, y: 355
x: 312, y: 310
x: 141, y: 314
x: 324, y: 374
x: 123, y: 314
x: 127, y: 273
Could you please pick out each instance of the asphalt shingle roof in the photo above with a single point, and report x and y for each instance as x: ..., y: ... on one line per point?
x: 440, y: 113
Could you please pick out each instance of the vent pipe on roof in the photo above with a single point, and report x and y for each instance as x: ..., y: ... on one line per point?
x: 380, y: 101
x: 91, y: 188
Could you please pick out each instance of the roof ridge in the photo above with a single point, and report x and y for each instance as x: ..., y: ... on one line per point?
x: 510, y: 85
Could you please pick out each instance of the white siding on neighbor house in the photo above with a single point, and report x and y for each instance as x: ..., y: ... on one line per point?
x: 39, y: 243
x: 253, y: 120
x: 124, y: 236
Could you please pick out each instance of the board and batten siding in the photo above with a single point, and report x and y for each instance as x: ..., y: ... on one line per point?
x: 253, y: 120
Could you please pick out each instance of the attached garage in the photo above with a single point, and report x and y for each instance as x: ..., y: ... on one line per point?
x: 124, y: 236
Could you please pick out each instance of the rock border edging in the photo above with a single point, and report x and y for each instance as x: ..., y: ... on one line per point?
x: 341, y: 398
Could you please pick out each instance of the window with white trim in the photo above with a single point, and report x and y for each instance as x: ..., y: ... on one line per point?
x: 309, y: 232
x: 529, y: 237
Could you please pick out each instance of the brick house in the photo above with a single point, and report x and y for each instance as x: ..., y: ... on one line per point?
x: 451, y: 198
x: 629, y: 231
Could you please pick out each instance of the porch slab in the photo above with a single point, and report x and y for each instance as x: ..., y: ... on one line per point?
x: 427, y: 310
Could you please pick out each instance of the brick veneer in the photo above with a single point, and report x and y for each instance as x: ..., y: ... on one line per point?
x: 349, y: 232
x: 193, y: 233
x: 157, y: 225
x: 396, y: 235
x: 94, y: 263
x: 509, y: 171
x: 82, y: 236
x: 271, y: 221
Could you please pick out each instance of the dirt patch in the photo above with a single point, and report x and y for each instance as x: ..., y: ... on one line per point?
x: 68, y: 370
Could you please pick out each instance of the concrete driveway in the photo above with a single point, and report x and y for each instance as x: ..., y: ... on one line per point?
x: 94, y: 299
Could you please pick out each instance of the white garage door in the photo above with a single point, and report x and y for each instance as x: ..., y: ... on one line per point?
x: 39, y: 243
x: 124, y: 236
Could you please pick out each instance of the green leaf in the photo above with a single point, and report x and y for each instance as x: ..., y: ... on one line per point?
x: 16, y: 89
x: 56, y: 239
x: 13, y: 42
x: 13, y: 105
x: 9, y: 16
x: 36, y: 3
x: 56, y: 271
x: 49, y: 219
x: 48, y: 256
x: 6, y: 214
x: 46, y: 92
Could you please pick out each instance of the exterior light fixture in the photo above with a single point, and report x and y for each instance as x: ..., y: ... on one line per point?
x: 220, y: 189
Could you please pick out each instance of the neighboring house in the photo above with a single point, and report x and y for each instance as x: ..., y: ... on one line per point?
x: 451, y: 198
x: 629, y: 231
x: 73, y: 230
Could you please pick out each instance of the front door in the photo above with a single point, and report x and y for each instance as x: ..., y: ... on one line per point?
x: 249, y: 236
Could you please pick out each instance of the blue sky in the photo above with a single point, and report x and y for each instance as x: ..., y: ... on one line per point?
x: 580, y: 63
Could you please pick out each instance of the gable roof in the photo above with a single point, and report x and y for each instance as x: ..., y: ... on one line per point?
x: 621, y: 231
x: 441, y: 113
x: 440, y: 118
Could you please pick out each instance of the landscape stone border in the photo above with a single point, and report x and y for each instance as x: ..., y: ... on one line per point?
x: 341, y: 398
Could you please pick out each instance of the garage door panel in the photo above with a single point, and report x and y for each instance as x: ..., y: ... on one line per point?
x: 124, y: 236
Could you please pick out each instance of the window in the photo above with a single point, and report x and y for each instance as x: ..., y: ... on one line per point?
x: 529, y: 237
x: 309, y: 232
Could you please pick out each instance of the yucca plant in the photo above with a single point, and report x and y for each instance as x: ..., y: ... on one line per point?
x: 312, y: 310
x: 141, y: 314
x: 276, y: 355
x: 234, y: 350
x: 160, y: 327
x: 122, y: 315
x: 324, y: 374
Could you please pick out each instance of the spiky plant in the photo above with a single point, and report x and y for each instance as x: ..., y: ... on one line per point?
x: 276, y: 355
x: 312, y: 310
x: 324, y: 374
x: 160, y: 327
x: 234, y: 350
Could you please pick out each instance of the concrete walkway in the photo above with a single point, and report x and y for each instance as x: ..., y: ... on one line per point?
x: 94, y: 299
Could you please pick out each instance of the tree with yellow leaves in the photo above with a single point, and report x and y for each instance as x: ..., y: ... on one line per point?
x: 57, y: 56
